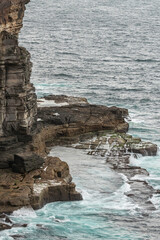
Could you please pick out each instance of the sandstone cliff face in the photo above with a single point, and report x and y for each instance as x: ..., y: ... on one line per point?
x: 11, y: 15
x: 18, y: 107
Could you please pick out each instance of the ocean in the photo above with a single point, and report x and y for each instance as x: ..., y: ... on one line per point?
x: 108, y: 52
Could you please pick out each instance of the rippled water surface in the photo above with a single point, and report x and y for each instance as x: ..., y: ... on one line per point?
x: 109, y: 52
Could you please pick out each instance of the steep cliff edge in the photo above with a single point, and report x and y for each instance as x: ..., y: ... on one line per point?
x: 18, y: 106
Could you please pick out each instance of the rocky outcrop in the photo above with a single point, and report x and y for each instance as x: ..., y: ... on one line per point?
x: 6, y: 223
x: 28, y: 178
x: 52, y: 182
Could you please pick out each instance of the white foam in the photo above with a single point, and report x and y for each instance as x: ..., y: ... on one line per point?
x: 6, y: 237
x: 139, y: 177
x: 45, y: 168
x: 24, y: 212
x: 120, y: 200
x: 155, y: 200
x: 50, y: 103
x: 126, y: 186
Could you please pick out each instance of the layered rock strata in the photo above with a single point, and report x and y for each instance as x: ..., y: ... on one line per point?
x: 18, y: 106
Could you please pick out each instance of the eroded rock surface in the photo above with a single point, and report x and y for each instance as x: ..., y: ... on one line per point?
x: 11, y: 15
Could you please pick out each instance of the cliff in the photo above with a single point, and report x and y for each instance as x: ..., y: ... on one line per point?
x: 18, y: 106
x: 28, y: 177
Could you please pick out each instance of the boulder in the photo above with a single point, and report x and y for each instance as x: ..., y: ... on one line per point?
x: 26, y: 162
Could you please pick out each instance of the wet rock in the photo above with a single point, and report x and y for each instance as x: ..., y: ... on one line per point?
x: 141, y: 192
x: 18, y: 237
x: 5, y: 226
x: 144, y: 148
x: 61, y: 99
x: 5, y: 222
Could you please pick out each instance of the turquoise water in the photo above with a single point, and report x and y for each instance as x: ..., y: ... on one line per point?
x: 108, y: 52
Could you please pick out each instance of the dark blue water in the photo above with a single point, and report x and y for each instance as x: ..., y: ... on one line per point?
x: 108, y: 52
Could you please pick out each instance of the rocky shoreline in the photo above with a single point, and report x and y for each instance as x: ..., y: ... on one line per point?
x: 28, y: 176
x: 27, y: 184
x: 28, y: 127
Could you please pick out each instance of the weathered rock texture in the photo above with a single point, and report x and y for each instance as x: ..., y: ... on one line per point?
x: 11, y: 15
x: 18, y: 106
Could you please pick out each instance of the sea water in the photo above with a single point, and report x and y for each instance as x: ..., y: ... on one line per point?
x: 108, y: 52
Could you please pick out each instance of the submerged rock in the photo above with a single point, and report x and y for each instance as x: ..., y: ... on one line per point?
x: 6, y: 223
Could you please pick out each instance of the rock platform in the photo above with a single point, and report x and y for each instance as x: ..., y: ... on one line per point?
x: 117, y: 149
